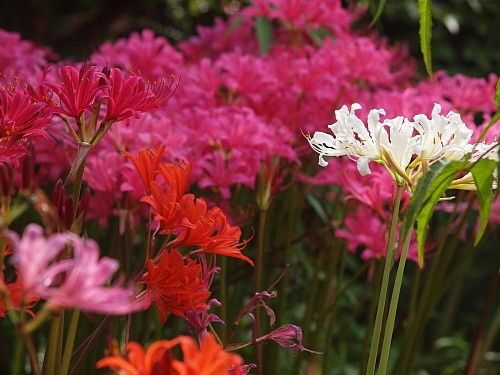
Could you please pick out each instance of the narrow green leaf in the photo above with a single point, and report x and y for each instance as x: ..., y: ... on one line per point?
x: 263, y: 29
x: 378, y: 12
x: 318, y: 208
x: 317, y: 35
x: 425, y: 32
x: 429, y: 189
x: 482, y: 172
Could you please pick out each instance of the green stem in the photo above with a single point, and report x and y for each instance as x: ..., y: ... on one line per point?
x: 391, y: 316
x: 19, y: 357
x: 389, y: 260
x: 70, y: 341
x: 223, y: 299
x: 259, y: 261
x: 51, y: 363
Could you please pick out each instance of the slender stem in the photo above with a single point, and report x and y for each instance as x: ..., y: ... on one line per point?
x: 474, y: 361
x: 148, y: 238
x: 30, y: 346
x: 51, y: 365
x: 17, y: 366
x: 391, y: 316
x: 223, y: 298
x: 70, y: 341
x: 389, y: 260
x: 259, y: 261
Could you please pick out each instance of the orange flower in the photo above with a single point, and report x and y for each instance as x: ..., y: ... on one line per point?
x: 207, y: 359
x: 177, y: 284
x: 208, y: 229
x: 176, y: 176
x: 147, y: 163
x: 167, y: 210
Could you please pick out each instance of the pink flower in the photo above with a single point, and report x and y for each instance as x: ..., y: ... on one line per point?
x: 79, y: 281
x: 143, y: 53
x: 21, y: 121
x: 366, y: 232
x: 77, y: 89
x: 130, y: 95
x: 20, y: 59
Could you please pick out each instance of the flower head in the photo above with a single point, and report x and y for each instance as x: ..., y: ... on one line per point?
x: 177, y: 284
x: 206, y: 358
x: 79, y: 281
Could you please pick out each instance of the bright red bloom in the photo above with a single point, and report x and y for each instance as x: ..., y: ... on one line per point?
x: 21, y: 119
x: 130, y: 95
x: 167, y: 208
x: 176, y: 176
x: 208, y: 358
x: 16, y: 295
x: 147, y: 163
x: 177, y: 284
x: 208, y: 229
x: 78, y: 89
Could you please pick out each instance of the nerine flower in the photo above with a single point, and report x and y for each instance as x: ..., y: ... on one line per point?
x: 80, y: 281
x: 205, y: 358
x: 400, y: 145
x: 176, y: 284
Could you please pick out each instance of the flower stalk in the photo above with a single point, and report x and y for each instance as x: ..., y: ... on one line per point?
x: 389, y: 260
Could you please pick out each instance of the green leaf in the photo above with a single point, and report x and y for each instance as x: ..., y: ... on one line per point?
x: 429, y: 189
x: 482, y: 172
x: 264, y: 31
x: 378, y: 12
x: 317, y: 35
x: 425, y: 32
x: 318, y: 208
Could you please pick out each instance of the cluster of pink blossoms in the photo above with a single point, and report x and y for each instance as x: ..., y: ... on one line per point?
x: 235, y: 109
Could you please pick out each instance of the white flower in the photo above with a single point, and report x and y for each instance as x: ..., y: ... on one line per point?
x: 442, y: 136
x: 352, y: 138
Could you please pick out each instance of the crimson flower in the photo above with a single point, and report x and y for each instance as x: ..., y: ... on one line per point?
x: 78, y: 89
x: 130, y: 95
x: 21, y: 120
x: 177, y: 284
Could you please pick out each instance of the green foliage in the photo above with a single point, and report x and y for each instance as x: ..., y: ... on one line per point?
x: 425, y: 32
x: 264, y: 33
x: 378, y: 12
x: 482, y: 172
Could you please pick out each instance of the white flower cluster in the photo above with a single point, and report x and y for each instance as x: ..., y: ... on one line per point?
x: 406, y: 148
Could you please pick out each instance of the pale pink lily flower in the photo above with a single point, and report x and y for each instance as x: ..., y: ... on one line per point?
x: 80, y: 282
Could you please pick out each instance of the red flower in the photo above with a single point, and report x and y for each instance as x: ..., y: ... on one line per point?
x: 208, y: 229
x: 168, y: 211
x: 21, y: 120
x: 208, y: 358
x: 16, y: 295
x: 78, y: 89
x: 176, y: 176
x: 147, y: 162
x: 129, y: 95
x: 177, y: 284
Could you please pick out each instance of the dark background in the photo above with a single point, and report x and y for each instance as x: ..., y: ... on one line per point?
x: 466, y: 32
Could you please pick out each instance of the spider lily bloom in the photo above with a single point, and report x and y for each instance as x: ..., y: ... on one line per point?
x: 76, y: 282
x: 442, y: 136
x: 207, y: 358
x: 78, y: 89
x: 21, y: 120
x: 177, y: 284
x: 393, y: 149
x: 147, y: 163
x: 209, y: 229
x: 129, y: 95
x: 16, y: 296
x: 176, y: 176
